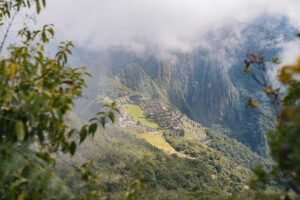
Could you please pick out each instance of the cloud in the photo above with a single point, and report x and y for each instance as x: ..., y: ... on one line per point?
x: 290, y: 52
x: 288, y: 55
x: 163, y: 25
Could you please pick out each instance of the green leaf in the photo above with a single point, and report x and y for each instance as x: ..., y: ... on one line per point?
x: 275, y: 60
x: 73, y: 148
x: 116, y: 109
x: 88, y: 74
x: 38, y: 7
x: 83, y: 134
x: 93, y: 128
x: 20, y: 130
x: 101, y: 113
x: 111, y: 116
x: 151, y: 164
x: 103, y: 121
x: 71, y: 133
x: 93, y: 119
x: 51, y: 31
x: 247, y: 70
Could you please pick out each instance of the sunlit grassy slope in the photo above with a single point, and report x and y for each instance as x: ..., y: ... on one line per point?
x: 182, y: 162
x: 137, y: 114
x: 155, y: 137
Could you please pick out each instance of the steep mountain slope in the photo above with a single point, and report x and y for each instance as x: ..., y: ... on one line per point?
x: 152, y: 123
x: 188, y: 157
x: 188, y: 115
x: 208, y: 85
x: 146, y: 114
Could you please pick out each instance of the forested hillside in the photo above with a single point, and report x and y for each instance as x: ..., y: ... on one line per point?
x: 150, y: 113
x: 207, y: 85
x: 188, y: 160
x: 186, y: 110
x: 164, y: 104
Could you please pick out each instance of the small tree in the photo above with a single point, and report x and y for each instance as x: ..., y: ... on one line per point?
x: 36, y: 93
x: 284, y: 141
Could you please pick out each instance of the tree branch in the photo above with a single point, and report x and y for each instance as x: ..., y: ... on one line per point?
x: 7, y: 31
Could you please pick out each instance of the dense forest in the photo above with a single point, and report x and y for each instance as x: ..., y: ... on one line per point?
x: 214, y: 122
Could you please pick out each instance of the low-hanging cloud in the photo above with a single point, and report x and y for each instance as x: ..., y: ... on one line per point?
x: 162, y: 25
x: 290, y: 52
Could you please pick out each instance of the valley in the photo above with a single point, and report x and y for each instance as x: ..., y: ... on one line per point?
x: 148, y: 126
x: 191, y: 113
x: 149, y: 100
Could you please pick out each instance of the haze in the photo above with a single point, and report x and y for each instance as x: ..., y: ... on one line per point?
x: 159, y: 25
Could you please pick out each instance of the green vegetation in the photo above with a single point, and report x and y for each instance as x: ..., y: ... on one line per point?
x: 284, y: 140
x: 36, y: 94
x: 153, y: 150
x: 193, y: 133
x: 234, y: 150
x: 152, y: 128
x: 154, y: 139
x: 114, y: 153
x: 137, y: 114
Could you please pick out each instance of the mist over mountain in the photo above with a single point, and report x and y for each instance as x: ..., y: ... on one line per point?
x: 162, y: 27
x: 189, y: 110
x: 208, y: 84
x: 150, y: 99
x: 189, y: 64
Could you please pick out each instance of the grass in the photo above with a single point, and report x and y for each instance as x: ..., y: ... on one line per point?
x: 156, y: 140
x: 153, y: 138
x: 137, y: 114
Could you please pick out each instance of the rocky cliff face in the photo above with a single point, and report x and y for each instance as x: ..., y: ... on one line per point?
x: 207, y: 85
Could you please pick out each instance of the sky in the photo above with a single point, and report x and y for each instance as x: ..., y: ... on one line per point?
x: 162, y: 25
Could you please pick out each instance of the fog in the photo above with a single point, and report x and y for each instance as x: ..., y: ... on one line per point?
x: 163, y: 26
